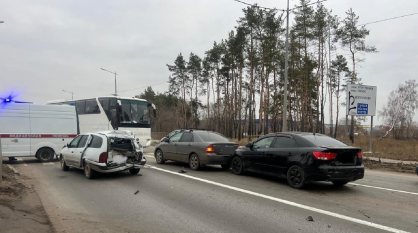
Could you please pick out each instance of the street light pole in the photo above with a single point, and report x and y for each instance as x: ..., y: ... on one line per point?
x: 72, y: 94
x: 284, y: 128
x: 115, y: 78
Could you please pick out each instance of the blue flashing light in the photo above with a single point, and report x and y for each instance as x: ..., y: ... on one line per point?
x: 8, y: 100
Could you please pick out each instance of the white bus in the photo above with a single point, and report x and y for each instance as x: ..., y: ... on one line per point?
x: 114, y: 113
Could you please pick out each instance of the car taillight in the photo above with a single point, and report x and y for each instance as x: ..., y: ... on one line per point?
x: 102, y: 157
x: 359, y: 155
x: 325, y: 155
x: 210, y: 150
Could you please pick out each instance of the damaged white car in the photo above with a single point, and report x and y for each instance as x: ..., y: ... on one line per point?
x: 103, y: 152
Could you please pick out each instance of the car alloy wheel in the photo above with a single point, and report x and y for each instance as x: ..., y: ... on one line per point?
x: 194, y: 162
x: 64, y: 166
x: 236, y: 166
x: 159, y: 157
x: 296, y: 177
x: 90, y: 174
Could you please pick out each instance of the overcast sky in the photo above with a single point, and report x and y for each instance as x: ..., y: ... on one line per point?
x: 47, y: 46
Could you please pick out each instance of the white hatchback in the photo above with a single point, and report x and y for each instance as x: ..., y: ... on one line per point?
x: 103, y: 152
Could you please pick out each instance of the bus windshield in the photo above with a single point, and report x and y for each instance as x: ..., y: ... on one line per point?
x: 134, y: 114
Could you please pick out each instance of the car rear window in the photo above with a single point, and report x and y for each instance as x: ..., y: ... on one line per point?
x: 212, y: 137
x: 322, y: 140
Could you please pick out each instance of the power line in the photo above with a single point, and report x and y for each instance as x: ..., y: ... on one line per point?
x: 143, y: 87
x: 397, y: 17
x: 248, y: 4
x: 257, y: 5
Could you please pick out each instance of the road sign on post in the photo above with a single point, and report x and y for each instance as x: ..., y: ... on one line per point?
x: 361, y: 100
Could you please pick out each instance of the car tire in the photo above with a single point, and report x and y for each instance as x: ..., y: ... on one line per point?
x: 339, y: 183
x: 64, y: 166
x: 226, y: 166
x: 134, y: 171
x: 237, y: 166
x: 159, y: 156
x: 88, y: 172
x: 194, y: 162
x: 45, y: 155
x: 296, y: 177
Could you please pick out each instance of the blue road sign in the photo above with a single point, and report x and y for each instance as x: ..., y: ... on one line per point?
x: 362, y: 109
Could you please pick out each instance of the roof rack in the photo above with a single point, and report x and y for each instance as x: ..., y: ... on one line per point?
x: 191, y: 129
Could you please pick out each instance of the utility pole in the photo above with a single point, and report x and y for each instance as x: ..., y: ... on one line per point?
x: 116, y: 93
x: 284, y: 115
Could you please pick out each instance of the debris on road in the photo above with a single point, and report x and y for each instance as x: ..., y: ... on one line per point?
x: 137, y: 191
x: 309, y: 218
x: 182, y: 170
x: 364, y: 214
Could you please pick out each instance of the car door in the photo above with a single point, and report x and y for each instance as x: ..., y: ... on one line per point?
x: 169, y: 148
x: 184, y: 147
x: 74, y: 154
x: 96, y: 145
x: 256, y: 156
x: 69, y: 149
x: 279, y: 154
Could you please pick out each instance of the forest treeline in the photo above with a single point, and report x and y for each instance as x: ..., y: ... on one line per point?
x: 237, y: 89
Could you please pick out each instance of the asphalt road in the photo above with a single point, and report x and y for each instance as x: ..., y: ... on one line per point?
x: 214, y: 200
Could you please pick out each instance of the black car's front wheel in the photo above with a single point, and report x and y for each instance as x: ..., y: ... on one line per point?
x: 159, y: 157
x: 194, y: 162
x: 296, y: 177
x: 237, y: 166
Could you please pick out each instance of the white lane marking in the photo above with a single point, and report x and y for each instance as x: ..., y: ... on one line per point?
x: 24, y: 164
x: 325, y: 212
x: 49, y: 163
x: 393, y: 190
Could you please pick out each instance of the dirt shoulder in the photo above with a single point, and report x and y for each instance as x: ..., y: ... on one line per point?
x: 21, y: 210
x: 394, y: 167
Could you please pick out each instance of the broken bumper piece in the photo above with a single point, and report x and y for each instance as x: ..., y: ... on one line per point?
x: 103, y: 168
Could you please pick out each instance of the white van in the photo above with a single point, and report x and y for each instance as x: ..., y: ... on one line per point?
x: 36, y: 130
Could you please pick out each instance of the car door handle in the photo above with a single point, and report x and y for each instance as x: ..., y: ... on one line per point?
x: 175, y: 144
x: 72, y: 151
x: 190, y: 145
x: 15, y: 140
x: 290, y: 153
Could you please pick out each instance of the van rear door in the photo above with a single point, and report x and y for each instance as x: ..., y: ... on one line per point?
x: 15, y: 130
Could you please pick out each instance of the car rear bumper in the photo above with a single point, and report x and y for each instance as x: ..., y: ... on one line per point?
x: 102, y: 168
x: 215, y: 159
x: 333, y: 173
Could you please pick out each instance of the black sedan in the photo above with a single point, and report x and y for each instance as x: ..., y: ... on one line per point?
x: 300, y: 157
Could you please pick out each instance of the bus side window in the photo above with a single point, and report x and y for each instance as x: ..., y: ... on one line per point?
x: 114, y: 119
x: 80, y: 104
x: 105, y: 105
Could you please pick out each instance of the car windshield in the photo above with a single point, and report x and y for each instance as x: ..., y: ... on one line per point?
x: 134, y: 113
x: 212, y: 137
x: 322, y: 140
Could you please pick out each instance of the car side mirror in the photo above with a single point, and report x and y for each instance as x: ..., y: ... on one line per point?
x: 249, y: 145
x: 67, y: 145
x: 166, y: 140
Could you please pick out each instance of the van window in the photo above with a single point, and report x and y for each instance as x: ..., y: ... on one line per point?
x: 92, y: 107
x: 96, y: 142
x: 80, y: 104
